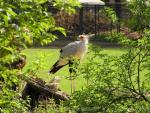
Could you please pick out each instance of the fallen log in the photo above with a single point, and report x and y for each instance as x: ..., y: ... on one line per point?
x: 36, y: 88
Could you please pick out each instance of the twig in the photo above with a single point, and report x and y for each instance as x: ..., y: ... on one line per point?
x: 138, y: 69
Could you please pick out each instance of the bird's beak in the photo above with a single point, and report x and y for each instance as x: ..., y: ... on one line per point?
x: 88, y: 36
x: 91, y: 36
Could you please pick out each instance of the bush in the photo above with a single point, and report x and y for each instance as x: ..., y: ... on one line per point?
x: 116, y: 84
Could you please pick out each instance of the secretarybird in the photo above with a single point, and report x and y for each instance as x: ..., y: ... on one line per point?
x: 74, y: 50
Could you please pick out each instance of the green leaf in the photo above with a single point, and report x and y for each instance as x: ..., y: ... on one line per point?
x: 9, y: 49
x: 60, y: 29
x: 40, y: 1
x: 5, y: 20
x: 27, y: 39
x: 11, y: 12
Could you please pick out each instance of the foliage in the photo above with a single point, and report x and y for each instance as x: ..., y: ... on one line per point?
x: 116, y: 84
x: 119, y: 84
x: 140, y: 14
x: 107, y: 37
x: 111, y: 14
x: 49, y: 106
x: 21, y: 23
x: 37, y: 64
x: 67, y: 5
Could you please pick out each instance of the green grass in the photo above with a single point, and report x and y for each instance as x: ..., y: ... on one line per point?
x: 49, y: 57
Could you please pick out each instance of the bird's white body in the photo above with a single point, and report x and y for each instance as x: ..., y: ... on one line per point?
x: 74, y: 50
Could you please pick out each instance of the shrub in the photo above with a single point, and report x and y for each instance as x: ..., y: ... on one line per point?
x: 22, y: 21
x: 116, y: 84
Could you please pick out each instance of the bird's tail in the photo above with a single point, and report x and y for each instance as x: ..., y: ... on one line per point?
x: 55, y: 68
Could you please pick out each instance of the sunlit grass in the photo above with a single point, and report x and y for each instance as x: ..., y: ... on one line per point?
x: 49, y: 57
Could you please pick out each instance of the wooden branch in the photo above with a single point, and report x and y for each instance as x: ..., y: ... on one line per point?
x: 36, y: 88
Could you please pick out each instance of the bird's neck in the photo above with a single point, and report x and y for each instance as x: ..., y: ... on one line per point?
x: 86, y: 41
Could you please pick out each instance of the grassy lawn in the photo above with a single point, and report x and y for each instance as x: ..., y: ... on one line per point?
x: 49, y: 57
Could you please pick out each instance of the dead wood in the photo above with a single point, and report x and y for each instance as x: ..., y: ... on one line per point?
x: 37, y: 88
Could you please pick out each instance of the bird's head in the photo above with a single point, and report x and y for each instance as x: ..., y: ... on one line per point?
x: 85, y: 37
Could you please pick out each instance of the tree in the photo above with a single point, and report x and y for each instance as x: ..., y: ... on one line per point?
x: 140, y: 14
x: 21, y: 22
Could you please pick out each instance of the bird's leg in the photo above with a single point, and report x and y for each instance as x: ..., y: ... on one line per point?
x: 73, y: 65
x: 72, y: 71
x: 75, y: 68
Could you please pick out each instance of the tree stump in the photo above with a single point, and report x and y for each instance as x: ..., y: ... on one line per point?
x: 37, y: 88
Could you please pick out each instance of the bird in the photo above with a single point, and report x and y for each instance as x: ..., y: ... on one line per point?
x: 74, y: 50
